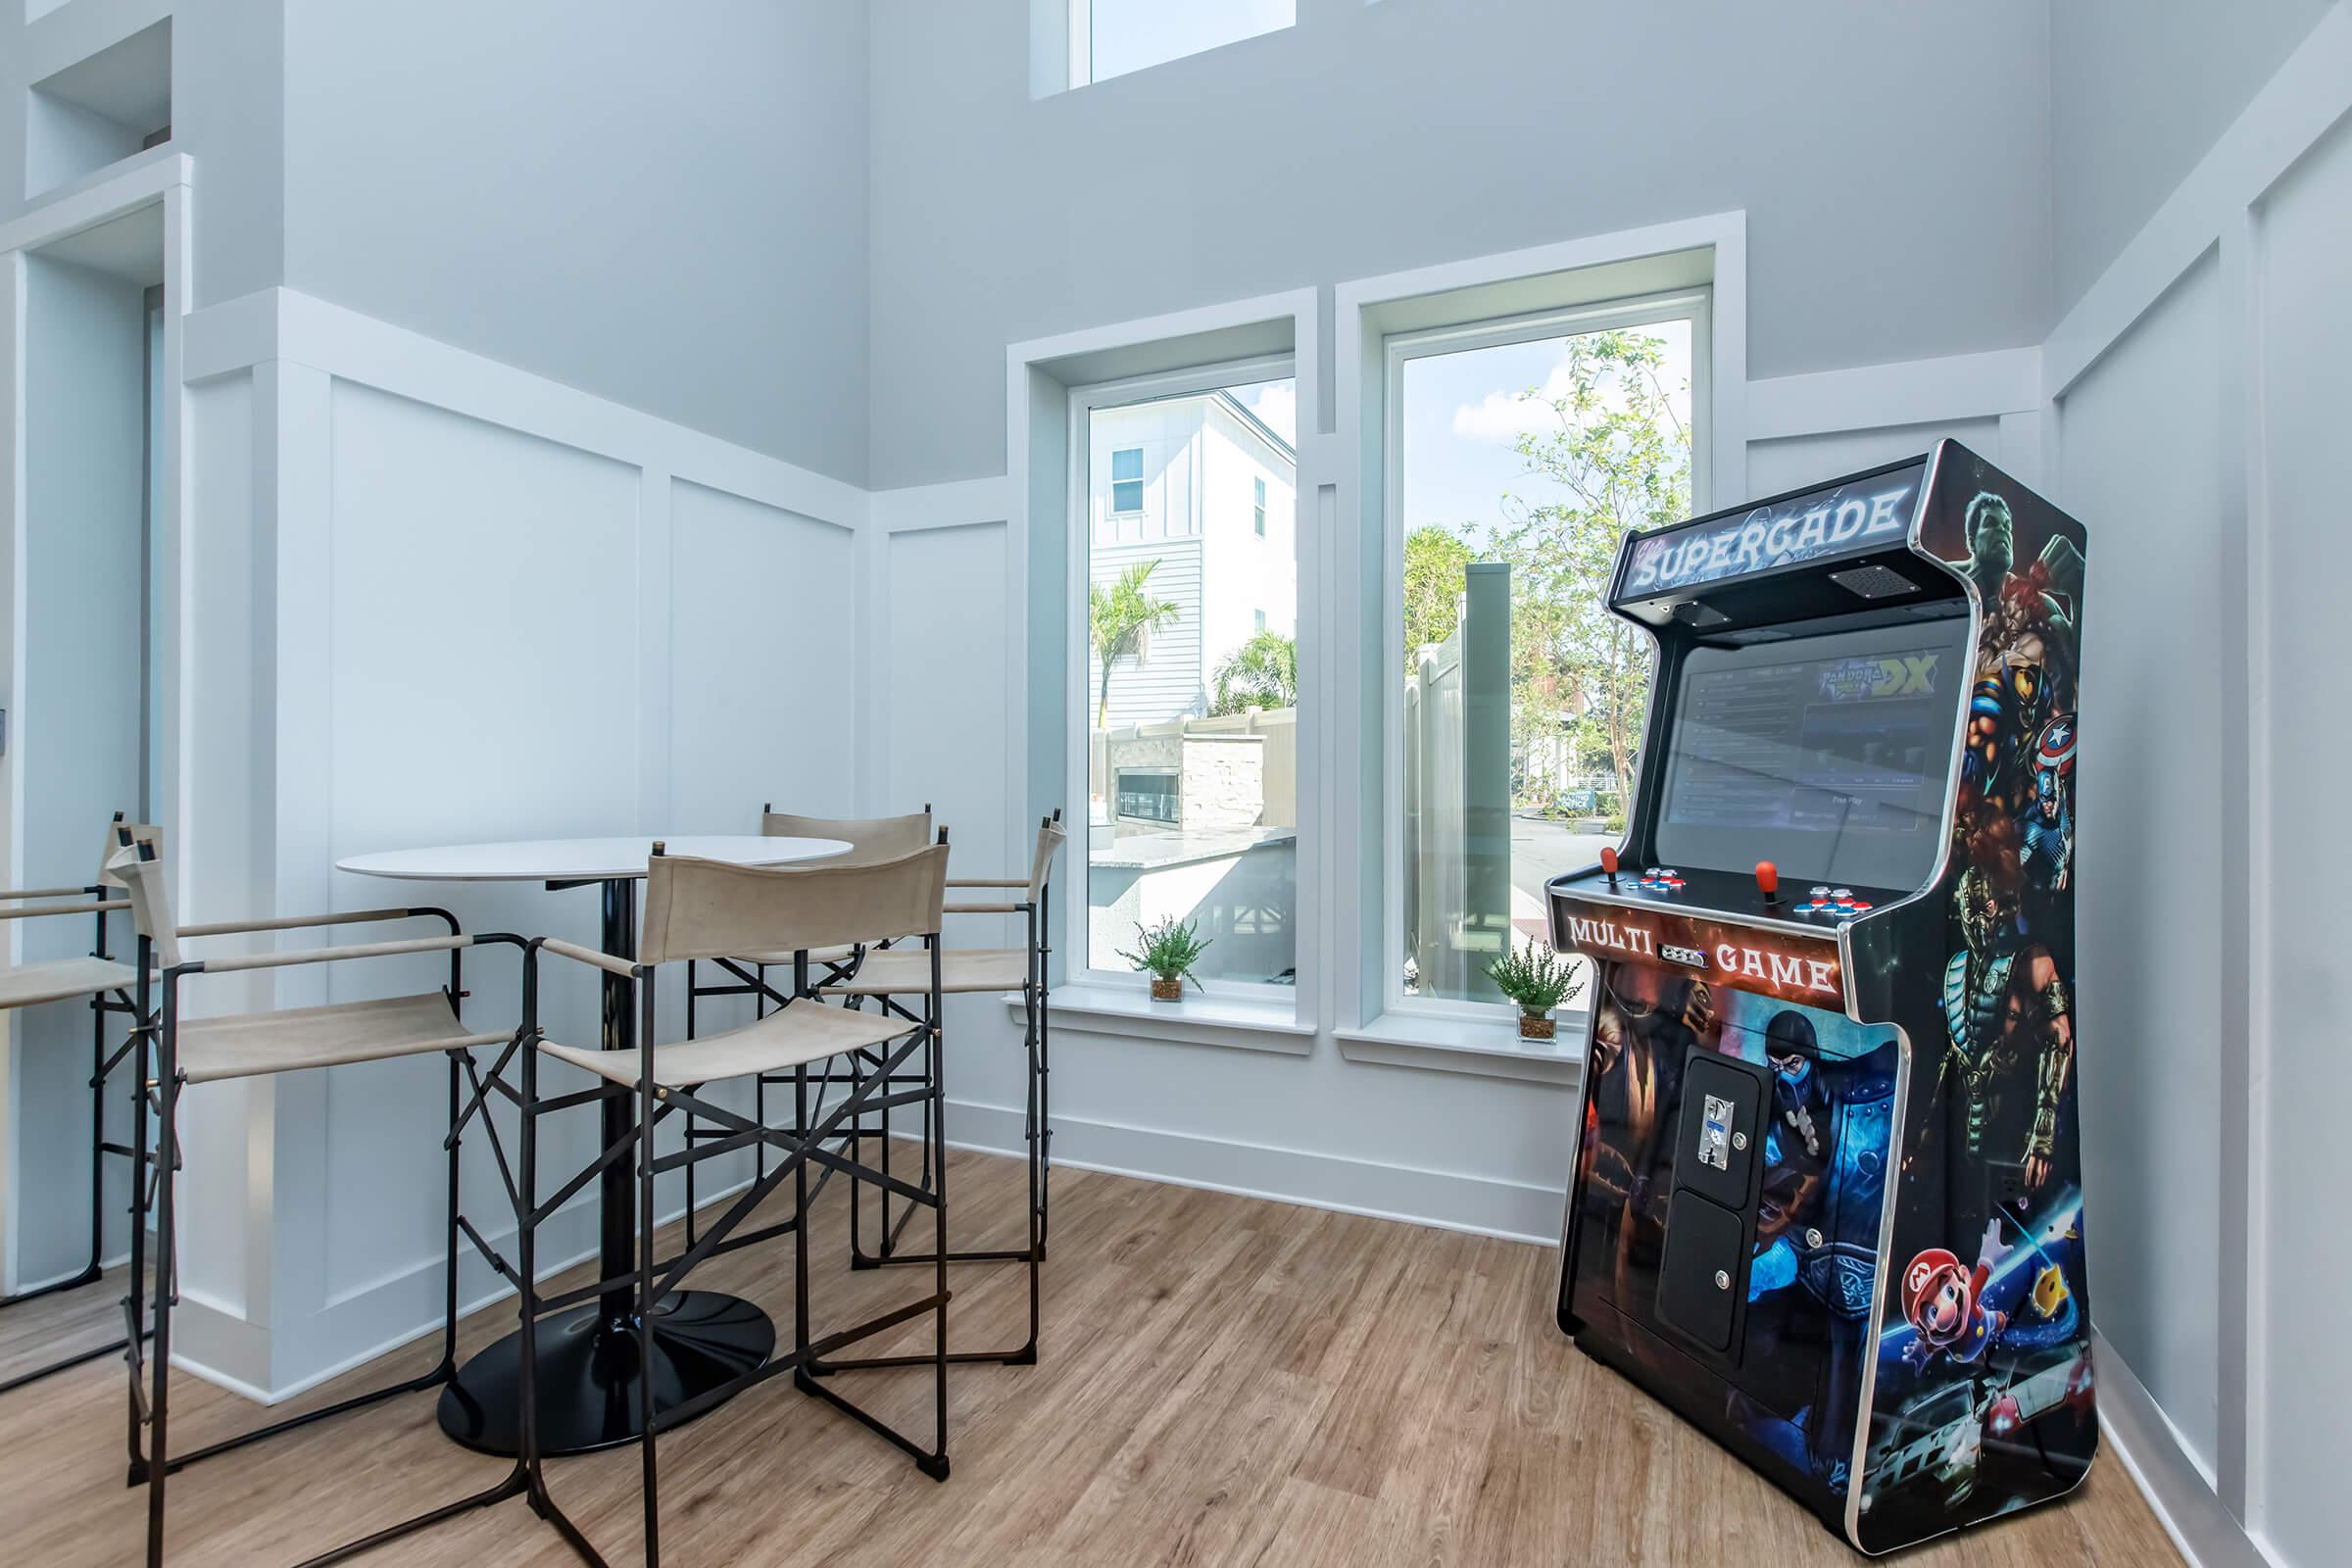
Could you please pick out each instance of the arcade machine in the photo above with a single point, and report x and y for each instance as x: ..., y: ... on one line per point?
x: 1826, y: 1202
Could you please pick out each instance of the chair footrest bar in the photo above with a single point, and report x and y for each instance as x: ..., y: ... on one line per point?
x: 1026, y: 1356
x: 433, y: 1380
x: 1019, y: 1254
x: 513, y: 1486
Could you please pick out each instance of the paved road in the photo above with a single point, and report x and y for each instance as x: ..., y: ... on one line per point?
x: 1541, y: 851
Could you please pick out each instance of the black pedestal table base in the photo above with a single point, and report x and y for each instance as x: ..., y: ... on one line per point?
x: 587, y: 1373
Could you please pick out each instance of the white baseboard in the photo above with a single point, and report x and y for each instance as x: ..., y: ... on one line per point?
x: 1479, y: 1205
x: 2143, y: 1439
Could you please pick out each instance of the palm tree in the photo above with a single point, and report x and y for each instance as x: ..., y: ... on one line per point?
x: 1263, y: 672
x: 1118, y: 618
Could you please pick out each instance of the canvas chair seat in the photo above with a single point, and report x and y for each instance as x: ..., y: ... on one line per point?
x: 248, y: 1043
x: 62, y: 980
x: 891, y: 972
x: 839, y: 953
x: 790, y: 1037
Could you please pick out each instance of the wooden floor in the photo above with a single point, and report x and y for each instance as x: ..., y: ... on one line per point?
x: 1224, y: 1381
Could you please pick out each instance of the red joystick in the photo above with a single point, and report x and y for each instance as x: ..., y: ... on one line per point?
x: 1608, y: 863
x: 1768, y: 878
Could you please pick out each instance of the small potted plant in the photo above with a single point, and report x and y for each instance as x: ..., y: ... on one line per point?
x: 1538, y: 980
x: 1170, y: 949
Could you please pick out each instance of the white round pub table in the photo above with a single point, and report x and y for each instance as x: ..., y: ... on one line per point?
x: 584, y: 1376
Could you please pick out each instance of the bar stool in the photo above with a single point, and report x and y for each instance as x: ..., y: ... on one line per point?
x: 190, y: 1052
x: 710, y: 910
x: 992, y: 971
x: 870, y: 839
x: 111, y: 987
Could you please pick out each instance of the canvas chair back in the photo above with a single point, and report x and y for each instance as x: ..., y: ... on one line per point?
x: 696, y: 908
x: 1050, y: 835
x: 136, y: 865
x: 871, y: 839
x: 138, y: 833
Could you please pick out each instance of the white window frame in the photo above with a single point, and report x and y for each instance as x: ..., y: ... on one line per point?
x: 1259, y: 506
x: 1075, y: 939
x: 1115, y: 509
x: 1397, y: 350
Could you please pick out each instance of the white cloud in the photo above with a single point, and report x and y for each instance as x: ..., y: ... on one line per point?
x: 1276, y: 404
x: 1501, y: 418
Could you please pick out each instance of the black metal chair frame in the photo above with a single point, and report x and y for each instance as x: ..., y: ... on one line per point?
x: 1037, y: 1132
x: 103, y: 901
x: 805, y: 1144
x: 152, y: 1409
x: 1037, y: 1136
x: 752, y: 981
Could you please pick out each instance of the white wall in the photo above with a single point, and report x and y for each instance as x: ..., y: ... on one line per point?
x: 1898, y: 200
x: 2305, y: 231
x: 2140, y: 466
x: 2198, y: 394
x: 228, y: 110
x: 2138, y: 92
x: 661, y: 204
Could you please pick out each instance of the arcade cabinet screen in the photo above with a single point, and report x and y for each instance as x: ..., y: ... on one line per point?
x: 1828, y: 756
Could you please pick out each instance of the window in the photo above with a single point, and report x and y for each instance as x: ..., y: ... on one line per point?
x: 1519, y: 451
x: 1190, y: 756
x: 1111, y: 37
x: 1127, y: 479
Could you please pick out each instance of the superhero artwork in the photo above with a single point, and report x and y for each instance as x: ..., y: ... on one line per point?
x: 1980, y: 1396
x: 1828, y: 1131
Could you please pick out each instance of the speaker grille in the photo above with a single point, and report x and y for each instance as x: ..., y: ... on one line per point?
x: 1699, y: 613
x: 1874, y: 581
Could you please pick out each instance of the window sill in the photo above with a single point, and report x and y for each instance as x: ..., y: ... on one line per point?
x: 1485, y: 1049
x: 1132, y: 1014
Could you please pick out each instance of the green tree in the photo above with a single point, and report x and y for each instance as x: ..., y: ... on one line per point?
x: 1433, y: 558
x: 1117, y: 619
x: 1263, y: 672
x: 1618, y: 458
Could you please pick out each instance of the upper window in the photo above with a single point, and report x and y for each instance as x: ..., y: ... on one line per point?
x: 1113, y: 37
x: 1259, y: 508
x: 1521, y: 452
x: 1127, y: 479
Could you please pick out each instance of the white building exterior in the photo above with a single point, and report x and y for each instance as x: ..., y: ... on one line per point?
x: 1204, y: 487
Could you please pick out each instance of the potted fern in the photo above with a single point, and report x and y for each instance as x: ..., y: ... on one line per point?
x: 1538, y: 980
x: 1170, y: 949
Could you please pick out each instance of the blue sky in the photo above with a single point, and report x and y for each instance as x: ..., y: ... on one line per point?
x: 1464, y: 410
